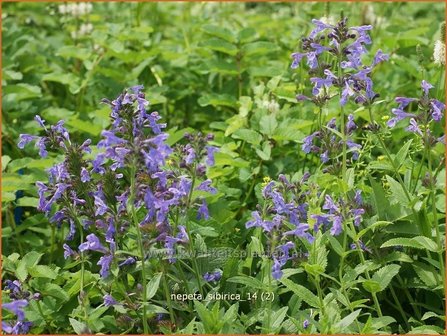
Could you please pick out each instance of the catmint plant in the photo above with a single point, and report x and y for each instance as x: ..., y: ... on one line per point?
x: 136, y: 189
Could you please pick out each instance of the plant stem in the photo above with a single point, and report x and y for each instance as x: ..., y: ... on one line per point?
x: 140, y: 247
x: 435, y: 211
x: 191, y: 239
x: 168, y: 297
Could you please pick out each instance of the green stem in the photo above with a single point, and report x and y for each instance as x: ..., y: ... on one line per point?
x: 10, y: 219
x: 435, y: 212
x: 140, y: 247
x: 399, y: 307
x: 168, y: 297
x: 52, y: 243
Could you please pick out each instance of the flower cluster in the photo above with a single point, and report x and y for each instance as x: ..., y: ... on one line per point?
x: 429, y: 109
x: 324, y: 142
x: 134, y: 178
x: 20, y: 299
x: 75, y: 9
x: 346, y: 46
x: 287, y: 214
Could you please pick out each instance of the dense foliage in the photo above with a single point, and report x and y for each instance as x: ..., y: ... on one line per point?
x: 223, y: 168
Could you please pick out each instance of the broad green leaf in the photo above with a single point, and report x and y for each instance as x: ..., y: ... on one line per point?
x: 73, y: 51
x: 215, y: 99
x: 220, y: 45
x: 258, y: 48
x: 55, y: 291
x: 248, y: 135
x: 79, y: 327
x: 268, y: 124
x: 384, y: 275
x: 266, y: 151
x: 42, y: 271
x: 220, y: 32
x: 429, y: 275
x: 153, y: 285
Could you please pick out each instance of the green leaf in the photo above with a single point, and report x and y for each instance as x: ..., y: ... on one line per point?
x: 55, y: 291
x: 419, y: 242
x: 402, y: 154
x: 428, y: 274
x: 266, y: 151
x: 278, y: 317
x: 64, y: 78
x: 247, y: 281
x: 79, y: 327
x: 153, y: 285
x: 73, y: 51
x: 42, y: 271
x: 220, y: 32
x: 21, y: 91
x: 302, y: 292
x: 248, y: 135
x: 215, y: 99
x: 21, y: 271
x: 372, y: 228
x: 397, y: 191
x: 347, y: 321
x: 220, y: 45
x: 384, y: 275
x: 259, y: 48
x: 371, y: 286
x: 268, y: 124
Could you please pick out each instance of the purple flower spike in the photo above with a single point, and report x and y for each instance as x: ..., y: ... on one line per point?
x: 297, y: 57
x: 203, y: 211
x: 206, y: 186
x: 25, y: 139
x: 437, y: 108
x: 109, y: 300
x: 85, y: 176
x: 414, y: 127
x: 105, y: 262
x: 68, y: 252
x: 276, y: 270
x: 380, y: 57
x: 210, y: 150
x: 16, y: 307
x: 337, y: 226
x: 92, y: 244
x: 426, y: 86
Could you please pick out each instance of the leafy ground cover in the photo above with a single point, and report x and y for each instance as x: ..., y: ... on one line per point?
x: 223, y: 168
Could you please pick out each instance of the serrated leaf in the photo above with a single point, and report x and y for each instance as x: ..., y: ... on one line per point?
x: 42, y: 271
x: 247, y: 281
x: 397, y: 191
x: 79, y: 327
x: 302, y: 292
x: 415, y: 242
x: 385, y: 274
